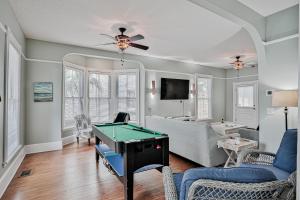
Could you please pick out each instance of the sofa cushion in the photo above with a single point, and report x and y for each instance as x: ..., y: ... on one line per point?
x: 177, y: 180
x: 280, y: 174
x: 237, y: 175
x: 286, y: 156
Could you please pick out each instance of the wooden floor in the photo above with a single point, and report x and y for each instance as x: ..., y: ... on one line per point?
x: 72, y: 174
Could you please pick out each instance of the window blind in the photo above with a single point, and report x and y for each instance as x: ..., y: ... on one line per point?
x: 204, y: 98
x: 99, y: 97
x: 74, y: 93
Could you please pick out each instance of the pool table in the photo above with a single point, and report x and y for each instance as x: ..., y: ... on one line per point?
x: 128, y: 148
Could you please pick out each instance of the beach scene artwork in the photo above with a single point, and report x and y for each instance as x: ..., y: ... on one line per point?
x: 43, y: 91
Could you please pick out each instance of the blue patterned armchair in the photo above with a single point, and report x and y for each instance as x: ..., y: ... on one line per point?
x: 258, y: 176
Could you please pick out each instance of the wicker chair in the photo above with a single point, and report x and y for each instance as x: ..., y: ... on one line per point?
x: 204, y: 189
x: 83, y: 128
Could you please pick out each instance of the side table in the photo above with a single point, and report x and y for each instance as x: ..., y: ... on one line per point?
x: 233, y: 146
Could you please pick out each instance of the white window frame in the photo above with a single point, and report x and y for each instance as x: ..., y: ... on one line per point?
x: 113, y: 87
x: 76, y: 67
x: 117, y: 73
x: 210, y: 78
x: 11, y: 40
x: 94, y: 71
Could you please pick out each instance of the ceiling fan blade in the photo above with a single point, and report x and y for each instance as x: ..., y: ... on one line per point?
x: 136, y: 37
x: 110, y: 43
x: 108, y: 36
x: 139, y: 46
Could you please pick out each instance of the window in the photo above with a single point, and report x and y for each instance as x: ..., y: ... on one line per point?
x: 245, y: 96
x: 98, y: 94
x: 12, y: 125
x: 73, y: 99
x: 204, y: 98
x: 99, y: 97
x: 127, y: 94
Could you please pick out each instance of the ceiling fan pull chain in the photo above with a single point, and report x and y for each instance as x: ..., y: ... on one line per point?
x: 122, y: 59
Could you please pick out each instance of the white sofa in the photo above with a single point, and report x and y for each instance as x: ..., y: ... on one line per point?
x: 195, y: 141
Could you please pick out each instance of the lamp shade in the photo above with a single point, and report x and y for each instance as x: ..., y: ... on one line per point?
x: 285, y: 98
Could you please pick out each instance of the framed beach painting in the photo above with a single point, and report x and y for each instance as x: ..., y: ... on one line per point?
x: 43, y: 91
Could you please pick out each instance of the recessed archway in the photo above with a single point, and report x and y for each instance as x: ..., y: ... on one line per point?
x: 126, y: 65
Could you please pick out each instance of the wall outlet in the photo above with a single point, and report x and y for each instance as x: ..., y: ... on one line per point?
x: 269, y: 92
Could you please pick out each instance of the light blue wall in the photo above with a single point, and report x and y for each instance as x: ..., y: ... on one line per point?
x: 280, y: 73
x: 7, y: 18
x: 282, y: 24
x: 44, y: 120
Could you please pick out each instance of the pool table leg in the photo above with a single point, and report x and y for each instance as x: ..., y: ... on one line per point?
x: 128, y: 171
x: 97, y: 141
x: 128, y: 186
x: 166, y: 152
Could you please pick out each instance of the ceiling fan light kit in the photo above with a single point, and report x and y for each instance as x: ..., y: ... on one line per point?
x: 238, y: 64
x: 123, y: 41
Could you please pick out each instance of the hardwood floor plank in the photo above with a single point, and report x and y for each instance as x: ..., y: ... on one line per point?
x: 72, y: 173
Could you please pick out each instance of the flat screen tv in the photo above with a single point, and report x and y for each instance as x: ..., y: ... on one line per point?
x: 172, y: 89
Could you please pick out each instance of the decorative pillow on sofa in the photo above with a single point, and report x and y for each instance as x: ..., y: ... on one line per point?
x: 236, y: 175
x: 286, y: 156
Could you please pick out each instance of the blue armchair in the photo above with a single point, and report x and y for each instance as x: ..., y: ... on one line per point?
x: 258, y: 175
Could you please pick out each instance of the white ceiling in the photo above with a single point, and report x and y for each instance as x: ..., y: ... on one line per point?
x: 269, y: 7
x: 174, y: 29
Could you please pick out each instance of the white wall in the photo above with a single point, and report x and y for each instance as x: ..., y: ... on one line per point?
x: 155, y: 106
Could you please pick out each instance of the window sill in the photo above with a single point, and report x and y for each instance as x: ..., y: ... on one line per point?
x: 68, y: 129
x: 204, y: 120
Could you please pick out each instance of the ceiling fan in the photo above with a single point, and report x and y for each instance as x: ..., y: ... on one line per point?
x: 123, y: 41
x: 238, y: 64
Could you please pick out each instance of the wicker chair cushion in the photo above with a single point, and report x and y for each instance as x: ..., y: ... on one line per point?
x: 286, y: 156
x: 280, y: 174
x: 236, y: 175
x: 177, y: 180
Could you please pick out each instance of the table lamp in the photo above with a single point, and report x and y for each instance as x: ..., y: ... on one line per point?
x: 285, y: 98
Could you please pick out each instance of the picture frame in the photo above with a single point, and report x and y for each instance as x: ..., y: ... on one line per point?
x: 42, y: 91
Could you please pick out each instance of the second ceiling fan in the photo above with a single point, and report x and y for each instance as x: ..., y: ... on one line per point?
x: 123, y: 41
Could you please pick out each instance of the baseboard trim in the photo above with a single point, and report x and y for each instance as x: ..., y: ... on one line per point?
x: 10, y: 172
x: 68, y: 140
x: 43, y: 147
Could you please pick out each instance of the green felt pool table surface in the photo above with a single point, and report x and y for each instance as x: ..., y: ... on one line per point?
x: 127, y: 132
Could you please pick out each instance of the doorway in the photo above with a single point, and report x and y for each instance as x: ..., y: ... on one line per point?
x: 245, y: 103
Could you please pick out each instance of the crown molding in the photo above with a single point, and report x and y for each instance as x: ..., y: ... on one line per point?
x: 281, y: 39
